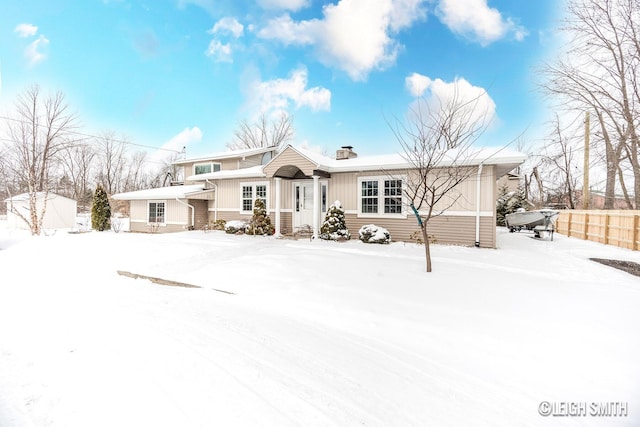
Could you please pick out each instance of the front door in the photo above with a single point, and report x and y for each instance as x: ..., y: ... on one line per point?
x: 303, y: 204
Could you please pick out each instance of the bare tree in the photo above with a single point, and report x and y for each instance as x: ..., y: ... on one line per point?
x: 40, y: 131
x: 437, y: 141
x: 112, y: 153
x: 558, y: 155
x: 76, y: 162
x: 263, y: 132
x: 599, y: 72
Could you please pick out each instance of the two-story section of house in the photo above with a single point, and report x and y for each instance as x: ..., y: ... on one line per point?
x: 192, y: 204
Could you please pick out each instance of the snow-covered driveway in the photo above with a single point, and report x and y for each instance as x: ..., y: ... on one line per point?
x: 311, y: 333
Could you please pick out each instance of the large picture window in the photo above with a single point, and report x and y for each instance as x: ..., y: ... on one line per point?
x: 380, y: 196
x: 156, y: 212
x: 250, y: 192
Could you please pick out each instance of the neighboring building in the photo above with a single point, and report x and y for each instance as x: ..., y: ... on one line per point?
x: 60, y: 211
x: 299, y: 185
x: 511, y: 181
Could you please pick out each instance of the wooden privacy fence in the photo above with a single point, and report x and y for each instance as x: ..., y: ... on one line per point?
x: 617, y: 228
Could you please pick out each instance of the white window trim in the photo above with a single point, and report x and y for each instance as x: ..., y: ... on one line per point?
x: 381, y: 214
x: 204, y: 164
x: 253, y: 185
x: 159, y: 224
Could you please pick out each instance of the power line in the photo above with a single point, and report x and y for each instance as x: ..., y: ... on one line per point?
x: 90, y: 136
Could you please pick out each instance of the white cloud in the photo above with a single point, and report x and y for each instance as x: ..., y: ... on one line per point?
x: 220, y: 52
x: 26, y: 30
x: 354, y: 35
x: 34, y: 51
x: 292, y: 5
x: 474, y: 102
x: 185, y: 139
x: 474, y: 19
x: 278, y: 94
x: 417, y: 84
x: 228, y: 25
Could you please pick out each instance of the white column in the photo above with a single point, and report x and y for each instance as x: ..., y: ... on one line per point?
x: 316, y: 206
x: 278, y: 191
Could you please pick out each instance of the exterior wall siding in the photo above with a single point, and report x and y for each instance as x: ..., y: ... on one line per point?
x: 452, y: 230
x: 225, y: 164
x: 60, y: 212
x: 177, y: 216
x: 290, y: 157
x: 200, y: 212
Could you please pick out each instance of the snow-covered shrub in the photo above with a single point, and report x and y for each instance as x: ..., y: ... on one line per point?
x: 373, y: 234
x: 236, y: 227
x: 218, y: 224
x: 334, y: 226
x: 260, y: 222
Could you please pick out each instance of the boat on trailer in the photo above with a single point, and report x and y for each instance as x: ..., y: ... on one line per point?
x: 538, y: 220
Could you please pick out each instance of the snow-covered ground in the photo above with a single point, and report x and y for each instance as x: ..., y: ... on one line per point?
x: 312, y: 333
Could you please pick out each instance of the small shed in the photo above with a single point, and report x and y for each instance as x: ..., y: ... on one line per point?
x: 60, y: 211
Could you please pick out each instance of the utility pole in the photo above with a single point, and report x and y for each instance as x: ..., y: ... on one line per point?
x: 585, y: 179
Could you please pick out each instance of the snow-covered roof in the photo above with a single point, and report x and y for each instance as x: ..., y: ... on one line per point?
x: 252, y: 172
x: 229, y: 154
x: 487, y: 156
x: 25, y: 196
x: 177, y: 191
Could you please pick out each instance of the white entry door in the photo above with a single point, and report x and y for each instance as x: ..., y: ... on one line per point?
x: 303, y: 204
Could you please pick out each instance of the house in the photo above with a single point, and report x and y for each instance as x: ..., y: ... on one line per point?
x: 299, y: 185
x: 60, y: 211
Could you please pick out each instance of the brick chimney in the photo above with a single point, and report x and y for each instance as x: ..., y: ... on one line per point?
x: 346, y: 152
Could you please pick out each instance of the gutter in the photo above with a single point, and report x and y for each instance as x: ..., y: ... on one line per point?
x: 193, y: 211
x: 478, y: 187
x: 215, y: 201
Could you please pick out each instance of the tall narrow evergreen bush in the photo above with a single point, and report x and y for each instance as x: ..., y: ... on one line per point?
x: 101, y: 211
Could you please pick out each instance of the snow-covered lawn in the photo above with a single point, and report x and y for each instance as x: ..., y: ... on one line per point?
x: 312, y: 333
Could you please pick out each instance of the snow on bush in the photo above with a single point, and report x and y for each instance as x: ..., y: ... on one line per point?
x: 371, y: 233
x: 260, y: 222
x: 236, y: 227
x: 334, y: 226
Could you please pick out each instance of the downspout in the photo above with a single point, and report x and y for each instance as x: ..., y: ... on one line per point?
x: 478, y: 187
x: 193, y: 211
x: 215, y: 201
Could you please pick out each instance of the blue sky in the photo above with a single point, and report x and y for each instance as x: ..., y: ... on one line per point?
x: 170, y: 73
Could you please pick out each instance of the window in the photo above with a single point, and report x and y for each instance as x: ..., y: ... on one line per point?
x: 369, y: 196
x: 200, y: 168
x: 156, y: 212
x: 247, y: 198
x: 250, y: 193
x: 393, y: 196
x: 380, y: 196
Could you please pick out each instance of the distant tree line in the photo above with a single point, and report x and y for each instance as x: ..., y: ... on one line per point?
x: 42, y: 149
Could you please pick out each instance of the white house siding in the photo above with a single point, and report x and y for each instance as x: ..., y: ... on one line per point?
x: 60, y: 212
